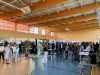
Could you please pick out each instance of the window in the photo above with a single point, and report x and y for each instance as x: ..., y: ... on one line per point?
x: 3, y: 24
x: 52, y: 33
x: 25, y: 28
x: 20, y: 27
x: 10, y: 26
x: 43, y: 32
x: 47, y: 32
x: 34, y: 30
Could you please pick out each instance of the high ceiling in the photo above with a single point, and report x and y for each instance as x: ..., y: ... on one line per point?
x: 54, y: 15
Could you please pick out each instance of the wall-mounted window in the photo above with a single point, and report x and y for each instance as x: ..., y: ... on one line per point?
x: 34, y: 30
x: 25, y: 28
x: 3, y: 24
x: 47, y: 32
x: 22, y: 28
x: 52, y: 33
x: 11, y: 26
x: 43, y: 32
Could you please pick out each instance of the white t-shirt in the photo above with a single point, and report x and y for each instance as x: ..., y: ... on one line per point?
x: 1, y: 48
x: 14, y: 49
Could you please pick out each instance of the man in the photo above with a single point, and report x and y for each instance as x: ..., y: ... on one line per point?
x: 97, y: 47
x: 61, y: 47
x: 53, y: 47
x: 75, y: 51
x: 33, y: 48
x: 57, y: 48
x: 1, y: 52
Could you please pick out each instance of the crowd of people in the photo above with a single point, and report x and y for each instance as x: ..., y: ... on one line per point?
x: 71, y: 50
x: 9, y: 50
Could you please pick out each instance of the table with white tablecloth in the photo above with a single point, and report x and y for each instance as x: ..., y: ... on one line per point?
x: 86, y: 54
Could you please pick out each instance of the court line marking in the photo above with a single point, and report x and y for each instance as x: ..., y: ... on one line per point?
x: 32, y: 67
x: 92, y: 70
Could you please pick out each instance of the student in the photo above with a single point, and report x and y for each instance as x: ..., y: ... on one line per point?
x: 7, y: 54
x: 1, y: 52
x: 17, y: 51
x: 70, y: 52
x: 75, y: 52
x: 53, y: 47
x: 66, y: 50
x: 14, y: 53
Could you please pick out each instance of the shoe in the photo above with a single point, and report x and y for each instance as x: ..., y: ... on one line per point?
x: 7, y: 63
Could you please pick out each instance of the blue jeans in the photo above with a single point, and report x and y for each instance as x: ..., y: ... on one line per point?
x: 70, y: 57
x: 52, y: 51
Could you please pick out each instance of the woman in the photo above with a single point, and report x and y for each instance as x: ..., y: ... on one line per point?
x: 45, y: 53
x: 7, y: 54
x: 70, y: 52
x: 14, y: 53
x: 66, y: 50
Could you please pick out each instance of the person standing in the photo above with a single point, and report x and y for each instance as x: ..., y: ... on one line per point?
x: 61, y: 47
x: 57, y: 48
x: 17, y: 51
x: 97, y: 47
x: 1, y: 52
x: 33, y: 48
x: 75, y: 51
x: 14, y: 53
x: 66, y: 50
x: 53, y: 47
x: 70, y: 52
x: 39, y: 47
x: 7, y: 54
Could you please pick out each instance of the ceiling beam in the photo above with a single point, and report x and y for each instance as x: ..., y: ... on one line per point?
x: 67, y: 20
x: 64, y: 13
x: 94, y: 27
x: 66, y: 6
x: 78, y: 24
x: 34, y: 7
x: 73, y: 28
x: 85, y: 26
x: 80, y: 3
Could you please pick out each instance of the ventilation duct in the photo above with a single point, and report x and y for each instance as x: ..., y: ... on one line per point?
x: 26, y: 10
x: 34, y: 1
x: 98, y: 14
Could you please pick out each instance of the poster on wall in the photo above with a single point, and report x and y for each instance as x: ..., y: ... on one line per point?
x: 57, y: 40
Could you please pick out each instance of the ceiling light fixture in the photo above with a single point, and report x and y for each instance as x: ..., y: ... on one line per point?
x: 67, y: 29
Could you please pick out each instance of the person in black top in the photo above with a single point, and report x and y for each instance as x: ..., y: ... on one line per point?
x: 33, y: 48
x: 53, y: 46
x: 93, y: 58
x: 5, y: 44
x: 97, y: 47
x: 57, y: 48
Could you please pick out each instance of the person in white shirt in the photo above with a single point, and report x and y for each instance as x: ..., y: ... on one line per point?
x: 39, y: 48
x: 14, y: 53
x: 7, y: 53
x: 1, y: 51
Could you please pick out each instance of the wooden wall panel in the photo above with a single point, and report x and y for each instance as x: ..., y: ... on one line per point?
x: 79, y: 35
x: 13, y: 34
